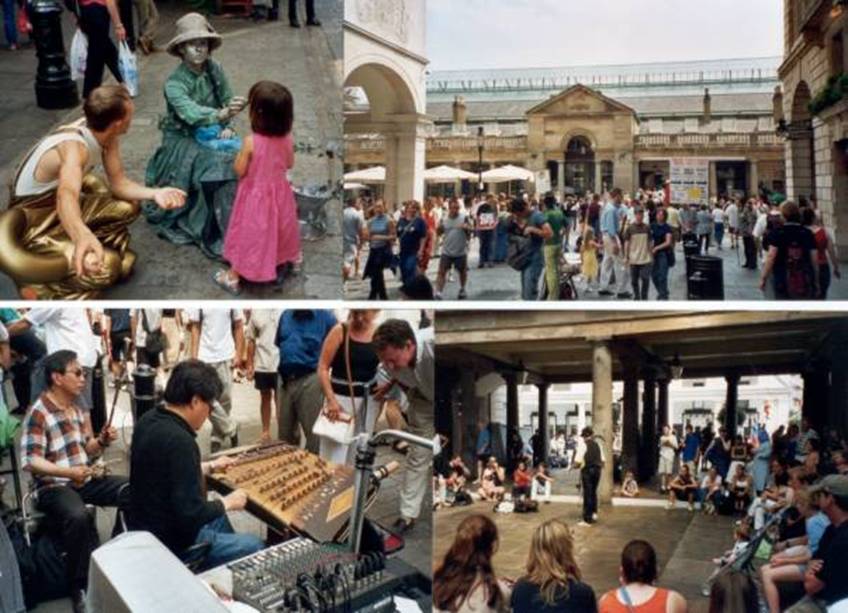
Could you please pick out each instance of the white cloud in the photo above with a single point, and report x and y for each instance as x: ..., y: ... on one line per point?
x: 464, y: 34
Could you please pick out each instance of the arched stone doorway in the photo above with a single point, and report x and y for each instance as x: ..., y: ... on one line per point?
x: 579, y: 165
x: 802, y: 174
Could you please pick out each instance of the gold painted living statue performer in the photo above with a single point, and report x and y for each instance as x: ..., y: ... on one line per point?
x: 66, y: 232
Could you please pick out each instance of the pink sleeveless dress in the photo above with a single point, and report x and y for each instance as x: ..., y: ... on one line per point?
x: 263, y: 231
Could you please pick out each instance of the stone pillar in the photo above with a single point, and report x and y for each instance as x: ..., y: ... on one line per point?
x: 753, y: 178
x: 816, y: 398
x: 630, y: 420
x: 511, y: 408
x: 466, y: 422
x: 663, y: 417
x: 602, y: 412
x: 837, y: 416
x: 731, y: 400
x: 713, y: 186
x: 544, y: 428
x: 648, y: 457
x: 598, y: 177
x: 405, y: 153
x: 561, y: 176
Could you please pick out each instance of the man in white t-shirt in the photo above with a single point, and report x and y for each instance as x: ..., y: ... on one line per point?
x: 732, y: 211
x: 263, y: 358
x: 64, y: 328
x: 668, y: 450
x: 217, y: 338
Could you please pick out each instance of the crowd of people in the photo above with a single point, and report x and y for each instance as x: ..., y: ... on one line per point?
x: 618, y: 246
x: 314, y: 366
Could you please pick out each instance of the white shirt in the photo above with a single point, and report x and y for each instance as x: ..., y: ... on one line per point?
x: 705, y: 483
x: 262, y: 329
x: 216, y: 333
x: 665, y: 451
x: 761, y: 225
x: 718, y: 215
x: 580, y: 452
x: 67, y: 328
x: 154, y: 322
x: 733, y: 215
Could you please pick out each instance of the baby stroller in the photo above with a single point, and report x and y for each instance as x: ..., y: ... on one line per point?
x: 569, y: 268
x: 744, y: 561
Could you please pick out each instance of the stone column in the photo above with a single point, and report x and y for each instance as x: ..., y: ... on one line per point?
x: 713, y: 185
x: 648, y: 458
x: 466, y: 421
x: 602, y: 411
x: 543, y: 421
x: 410, y: 172
x: 630, y: 420
x: 561, y: 176
x: 838, y: 405
x: 753, y: 178
x: 731, y: 400
x: 511, y: 408
x: 598, y: 177
x: 662, y: 403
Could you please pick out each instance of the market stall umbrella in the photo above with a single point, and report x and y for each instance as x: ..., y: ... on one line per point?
x: 447, y: 174
x: 508, y: 173
x: 375, y: 174
x: 355, y: 186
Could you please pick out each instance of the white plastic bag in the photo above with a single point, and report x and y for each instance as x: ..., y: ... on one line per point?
x: 129, y: 68
x: 79, y: 53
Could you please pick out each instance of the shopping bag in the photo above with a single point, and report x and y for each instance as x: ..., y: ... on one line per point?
x: 79, y: 53
x: 128, y: 68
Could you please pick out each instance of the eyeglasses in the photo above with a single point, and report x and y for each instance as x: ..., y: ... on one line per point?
x: 78, y: 372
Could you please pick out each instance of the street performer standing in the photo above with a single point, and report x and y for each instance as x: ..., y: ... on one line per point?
x: 66, y: 233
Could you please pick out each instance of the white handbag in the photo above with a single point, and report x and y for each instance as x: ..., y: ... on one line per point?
x: 341, y: 430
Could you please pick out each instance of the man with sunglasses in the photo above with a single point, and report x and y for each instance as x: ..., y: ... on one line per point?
x: 57, y: 448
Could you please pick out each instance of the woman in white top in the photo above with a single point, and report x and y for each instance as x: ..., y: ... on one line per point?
x: 710, y: 490
x: 718, y: 225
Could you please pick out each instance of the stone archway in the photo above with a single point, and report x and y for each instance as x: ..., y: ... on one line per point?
x: 579, y: 165
x: 801, y: 178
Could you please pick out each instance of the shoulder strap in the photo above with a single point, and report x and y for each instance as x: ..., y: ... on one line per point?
x: 145, y: 326
x: 346, y: 333
x: 625, y: 596
x: 17, y: 174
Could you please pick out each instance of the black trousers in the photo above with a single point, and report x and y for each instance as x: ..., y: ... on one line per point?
x: 28, y: 344
x: 378, y: 286
x: 67, y: 516
x: 125, y: 10
x: 310, y: 10
x: 750, y: 252
x: 95, y: 22
x: 589, y: 479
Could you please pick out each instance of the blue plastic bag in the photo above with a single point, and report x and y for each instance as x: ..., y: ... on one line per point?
x: 210, y: 137
x: 128, y: 68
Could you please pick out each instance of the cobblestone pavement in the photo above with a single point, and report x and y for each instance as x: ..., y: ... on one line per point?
x: 308, y: 61
x: 503, y: 283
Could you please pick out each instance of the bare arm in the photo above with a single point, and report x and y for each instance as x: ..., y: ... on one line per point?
x: 242, y: 162
x: 5, y: 355
x: 768, y: 267
x: 195, y: 338
x: 328, y: 351
x: 238, y: 337
x: 112, y: 7
x: 126, y: 189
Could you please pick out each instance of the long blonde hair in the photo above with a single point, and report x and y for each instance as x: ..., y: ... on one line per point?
x: 550, y: 562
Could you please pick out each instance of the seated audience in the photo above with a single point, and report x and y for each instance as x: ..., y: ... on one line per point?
x: 521, y: 480
x: 553, y: 580
x: 741, y: 541
x: 710, y: 491
x: 492, y: 480
x: 638, y: 594
x: 465, y: 581
x: 629, y: 485
x: 542, y: 483
x: 683, y: 487
x: 741, y: 487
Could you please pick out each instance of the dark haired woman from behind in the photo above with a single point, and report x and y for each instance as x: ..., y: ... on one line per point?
x: 553, y: 580
x: 825, y: 251
x: 734, y: 592
x: 262, y: 243
x: 637, y: 593
x: 465, y: 581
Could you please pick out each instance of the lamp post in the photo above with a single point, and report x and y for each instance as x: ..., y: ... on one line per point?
x: 54, y: 88
x: 480, y: 142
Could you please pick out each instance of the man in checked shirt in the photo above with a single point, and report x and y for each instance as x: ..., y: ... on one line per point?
x: 57, y: 447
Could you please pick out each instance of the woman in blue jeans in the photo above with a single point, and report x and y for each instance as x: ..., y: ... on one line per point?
x: 411, y: 232
x: 530, y: 223
x: 662, y: 238
x: 9, y: 27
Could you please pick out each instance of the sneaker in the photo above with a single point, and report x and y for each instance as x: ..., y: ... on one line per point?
x: 437, y: 295
x: 462, y: 295
x: 624, y: 296
x: 691, y: 507
x: 584, y: 524
x: 403, y: 525
x: 594, y: 517
x: 605, y: 292
x: 313, y: 22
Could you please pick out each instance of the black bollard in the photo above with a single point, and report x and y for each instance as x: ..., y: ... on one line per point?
x: 54, y: 88
x: 144, y: 394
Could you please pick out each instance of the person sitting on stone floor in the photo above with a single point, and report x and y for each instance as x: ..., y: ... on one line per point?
x: 66, y: 232
x: 492, y: 480
x: 683, y: 487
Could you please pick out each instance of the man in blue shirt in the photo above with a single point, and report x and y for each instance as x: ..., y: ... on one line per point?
x: 300, y: 337
x: 691, y: 447
x: 612, y: 219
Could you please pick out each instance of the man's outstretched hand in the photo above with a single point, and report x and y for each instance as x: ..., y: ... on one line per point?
x: 169, y: 198
x: 88, y: 254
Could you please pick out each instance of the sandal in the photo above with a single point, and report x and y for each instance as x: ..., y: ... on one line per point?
x: 222, y: 279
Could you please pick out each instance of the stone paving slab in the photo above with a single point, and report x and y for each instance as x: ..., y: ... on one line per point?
x: 685, y: 542
x: 308, y: 61
x: 503, y: 283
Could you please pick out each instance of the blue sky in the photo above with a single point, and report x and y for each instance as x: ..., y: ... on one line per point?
x: 464, y: 34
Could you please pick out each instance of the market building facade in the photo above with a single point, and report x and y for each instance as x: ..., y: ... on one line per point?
x: 591, y: 128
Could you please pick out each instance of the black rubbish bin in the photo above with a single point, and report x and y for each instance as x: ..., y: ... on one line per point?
x: 705, y: 277
x: 144, y: 392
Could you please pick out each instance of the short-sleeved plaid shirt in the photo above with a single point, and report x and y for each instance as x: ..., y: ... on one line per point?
x: 55, y: 435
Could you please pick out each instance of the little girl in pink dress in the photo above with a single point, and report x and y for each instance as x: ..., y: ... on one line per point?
x: 263, y: 232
